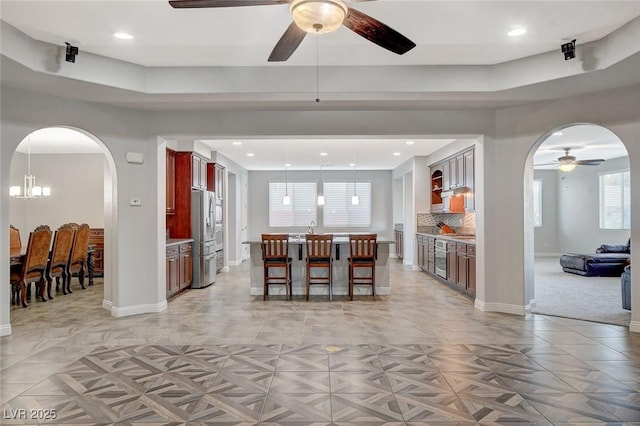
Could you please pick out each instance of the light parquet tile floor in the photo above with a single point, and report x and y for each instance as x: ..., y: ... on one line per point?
x: 421, y: 356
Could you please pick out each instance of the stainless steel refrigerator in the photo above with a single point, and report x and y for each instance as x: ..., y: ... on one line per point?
x: 203, y: 225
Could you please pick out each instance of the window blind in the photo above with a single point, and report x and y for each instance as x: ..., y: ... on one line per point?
x: 615, y: 200
x: 338, y: 210
x: 303, y: 207
x: 537, y: 203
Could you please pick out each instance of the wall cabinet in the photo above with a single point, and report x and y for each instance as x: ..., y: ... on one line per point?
x: 453, y: 173
x: 179, y: 264
x: 190, y: 170
x: 469, y: 180
x: 215, y: 179
x: 198, y: 172
x: 171, y: 182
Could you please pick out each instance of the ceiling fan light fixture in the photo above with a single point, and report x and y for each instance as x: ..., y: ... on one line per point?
x: 567, y: 167
x: 318, y: 16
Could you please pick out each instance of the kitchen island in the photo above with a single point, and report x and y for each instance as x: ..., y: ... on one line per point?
x: 297, y: 252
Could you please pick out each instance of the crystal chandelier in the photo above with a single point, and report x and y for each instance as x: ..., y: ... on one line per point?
x: 29, y: 189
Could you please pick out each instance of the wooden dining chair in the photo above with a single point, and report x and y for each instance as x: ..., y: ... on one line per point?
x: 319, y: 257
x: 34, y: 265
x: 275, y: 255
x: 78, y: 258
x: 14, y: 238
x: 363, y: 252
x: 59, y: 256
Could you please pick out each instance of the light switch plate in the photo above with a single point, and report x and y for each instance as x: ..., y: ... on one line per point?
x: 135, y: 202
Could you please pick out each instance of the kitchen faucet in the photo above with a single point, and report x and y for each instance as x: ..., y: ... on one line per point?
x: 311, y: 225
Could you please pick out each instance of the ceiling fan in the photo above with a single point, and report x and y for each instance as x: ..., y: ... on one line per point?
x: 316, y: 16
x: 567, y: 162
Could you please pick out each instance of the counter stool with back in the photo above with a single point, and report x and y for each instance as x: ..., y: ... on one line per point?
x: 363, y: 250
x: 275, y: 254
x: 319, y: 257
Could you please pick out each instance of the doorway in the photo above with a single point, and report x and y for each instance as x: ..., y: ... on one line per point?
x: 80, y: 173
x: 580, y: 200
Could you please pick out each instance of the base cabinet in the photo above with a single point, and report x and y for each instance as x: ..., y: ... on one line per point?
x: 461, y: 263
x: 179, y: 263
x: 399, y: 240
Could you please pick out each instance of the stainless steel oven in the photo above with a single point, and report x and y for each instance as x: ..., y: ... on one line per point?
x: 441, y: 258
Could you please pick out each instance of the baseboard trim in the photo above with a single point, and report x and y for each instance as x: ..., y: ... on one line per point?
x: 504, y: 308
x: 634, y: 326
x: 5, y: 330
x: 106, y: 304
x: 138, y: 309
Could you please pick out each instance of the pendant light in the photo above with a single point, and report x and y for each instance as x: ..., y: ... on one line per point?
x: 355, y: 200
x: 286, y: 200
x: 30, y: 189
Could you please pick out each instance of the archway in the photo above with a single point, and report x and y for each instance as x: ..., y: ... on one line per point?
x: 573, y: 213
x: 81, y: 172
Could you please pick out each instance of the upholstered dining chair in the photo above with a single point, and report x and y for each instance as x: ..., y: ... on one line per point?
x: 319, y: 257
x: 78, y: 258
x: 59, y: 256
x: 34, y: 265
x: 275, y: 254
x: 363, y: 252
x: 14, y: 238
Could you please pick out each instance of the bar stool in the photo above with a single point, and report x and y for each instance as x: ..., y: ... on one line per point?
x: 319, y: 256
x: 363, y: 250
x: 275, y: 254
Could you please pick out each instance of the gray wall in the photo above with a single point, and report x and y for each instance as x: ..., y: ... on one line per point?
x: 77, y: 191
x: 578, y: 214
x: 546, y: 236
x: 381, y: 198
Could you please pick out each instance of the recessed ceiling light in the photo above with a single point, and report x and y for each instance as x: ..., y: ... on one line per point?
x: 517, y: 32
x: 323, y: 154
x: 237, y: 143
x: 123, y: 36
x: 352, y: 164
x: 556, y: 134
x: 250, y: 154
x: 410, y: 142
x: 397, y: 154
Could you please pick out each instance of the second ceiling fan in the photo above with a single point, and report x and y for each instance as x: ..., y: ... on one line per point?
x: 567, y: 162
x: 316, y: 16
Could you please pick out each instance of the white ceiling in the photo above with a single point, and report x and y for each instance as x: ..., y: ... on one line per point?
x: 231, y: 45
x: 586, y: 142
x: 446, y: 32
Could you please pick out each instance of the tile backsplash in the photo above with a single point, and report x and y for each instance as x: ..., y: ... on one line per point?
x: 461, y: 222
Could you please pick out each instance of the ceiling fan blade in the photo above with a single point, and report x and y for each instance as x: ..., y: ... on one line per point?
x: 545, y: 164
x: 189, y: 4
x: 377, y: 32
x: 287, y: 44
x: 592, y: 162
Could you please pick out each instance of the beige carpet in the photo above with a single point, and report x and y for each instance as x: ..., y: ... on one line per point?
x: 561, y: 294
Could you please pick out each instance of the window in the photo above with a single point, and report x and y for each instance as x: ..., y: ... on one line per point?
x: 537, y: 203
x: 302, y: 209
x: 338, y: 210
x: 615, y: 200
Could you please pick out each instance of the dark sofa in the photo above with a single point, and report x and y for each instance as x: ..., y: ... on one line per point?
x: 609, y: 260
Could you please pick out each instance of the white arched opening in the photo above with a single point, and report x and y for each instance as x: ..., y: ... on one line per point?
x: 81, y: 172
x: 563, y: 215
